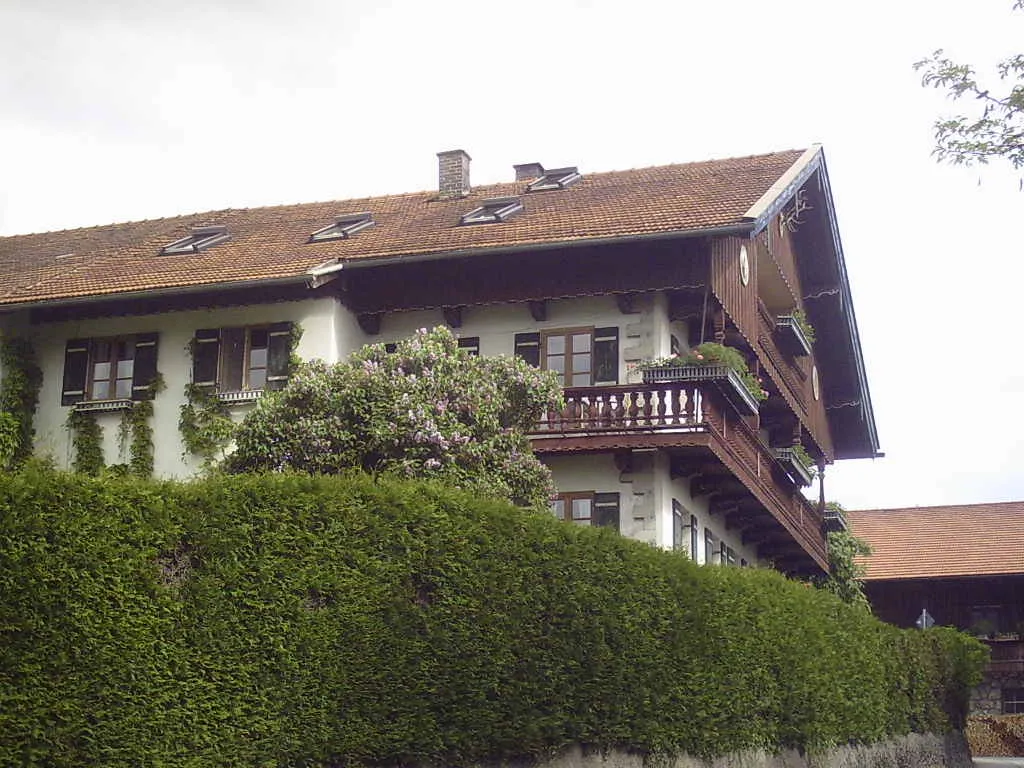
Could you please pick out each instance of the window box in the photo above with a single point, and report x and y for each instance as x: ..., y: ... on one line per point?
x: 240, y: 396
x: 725, y: 378
x: 794, y: 466
x: 98, y: 406
x: 791, y: 336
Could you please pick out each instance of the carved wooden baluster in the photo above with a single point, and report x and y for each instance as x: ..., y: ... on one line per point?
x: 632, y: 411
x: 618, y: 411
x: 573, y: 411
x: 589, y: 412
x: 648, y: 409
x: 662, y: 398
x: 690, y: 412
x: 676, y: 403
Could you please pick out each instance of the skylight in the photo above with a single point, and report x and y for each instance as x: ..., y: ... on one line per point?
x: 200, y: 239
x: 556, y: 178
x: 493, y: 211
x: 343, y: 227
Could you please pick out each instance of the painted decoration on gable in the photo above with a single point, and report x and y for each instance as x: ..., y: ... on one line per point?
x: 815, y: 384
x: 744, y: 266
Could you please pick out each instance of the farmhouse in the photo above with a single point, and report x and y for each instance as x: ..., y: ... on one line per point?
x: 591, y: 275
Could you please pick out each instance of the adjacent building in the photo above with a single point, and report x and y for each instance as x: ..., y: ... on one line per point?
x: 961, y: 566
x: 587, y: 274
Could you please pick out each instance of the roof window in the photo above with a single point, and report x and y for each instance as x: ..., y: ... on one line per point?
x: 200, y: 239
x: 556, y: 178
x: 492, y: 211
x: 343, y: 227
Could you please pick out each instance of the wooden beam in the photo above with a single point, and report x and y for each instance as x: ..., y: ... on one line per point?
x: 370, y: 322
x: 626, y: 303
x: 453, y: 316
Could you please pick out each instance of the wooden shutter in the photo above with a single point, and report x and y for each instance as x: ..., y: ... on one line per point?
x: 606, y: 356
x: 279, y: 351
x: 606, y: 510
x: 76, y: 371
x: 205, y: 357
x: 144, y: 370
x: 527, y: 347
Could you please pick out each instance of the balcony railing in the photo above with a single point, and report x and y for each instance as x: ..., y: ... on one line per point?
x: 626, y: 408
x: 700, y: 416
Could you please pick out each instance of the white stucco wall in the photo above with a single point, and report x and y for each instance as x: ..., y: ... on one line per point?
x: 679, y: 489
x: 323, y: 335
x: 496, y: 325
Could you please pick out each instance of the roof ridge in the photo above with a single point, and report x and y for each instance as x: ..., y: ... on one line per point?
x: 974, y: 505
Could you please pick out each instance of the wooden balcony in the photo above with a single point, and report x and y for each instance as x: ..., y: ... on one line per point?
x: 1007, y: 655
x: 710, y: 442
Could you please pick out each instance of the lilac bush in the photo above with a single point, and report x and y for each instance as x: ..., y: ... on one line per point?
x: 429, y: 409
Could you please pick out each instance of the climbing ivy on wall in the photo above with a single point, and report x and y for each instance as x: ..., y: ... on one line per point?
x: 205, y: 424
x: 86, y: 442
x: 136, y: 432
x: 19, y: 395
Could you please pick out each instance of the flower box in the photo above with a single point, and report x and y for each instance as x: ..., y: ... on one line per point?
x: 725, y: 378
x: 791, y: 336
x: 794, y: 466
x: 98, y: 406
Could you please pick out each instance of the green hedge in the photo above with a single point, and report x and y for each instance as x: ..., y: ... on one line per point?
x: 297, y: 621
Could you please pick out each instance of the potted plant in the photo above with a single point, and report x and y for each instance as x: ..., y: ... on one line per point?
x: 710, y: 362
x: 795, y: 333
x: 797, y: 463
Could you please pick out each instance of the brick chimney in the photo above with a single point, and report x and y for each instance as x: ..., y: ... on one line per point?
x: 528, y: 171
x: 453, y: 173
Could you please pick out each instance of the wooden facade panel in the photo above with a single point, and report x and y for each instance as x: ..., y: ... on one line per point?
x: 743, y: 305
x: 739, y: 300
x: 527, y: 276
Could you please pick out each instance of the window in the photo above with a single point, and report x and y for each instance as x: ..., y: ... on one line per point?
x: 471, y: 344
x: 581, y: 356
x: 242, y: 359
x: 694, y: 539
x: 110, y: 368
x: 343, y: 227
x: 728, y: 555
x: 678, y: 529
x: 709, y: 546
x: 493, y: 211
x: 1013, y: 701
x: 587, y: 508
x: 557, y: 178
x: 200, y: 239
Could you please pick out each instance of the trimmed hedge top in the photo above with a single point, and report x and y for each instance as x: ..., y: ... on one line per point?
x: 299, y: 621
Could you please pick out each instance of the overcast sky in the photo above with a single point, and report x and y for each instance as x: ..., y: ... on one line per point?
x: 116, y: 110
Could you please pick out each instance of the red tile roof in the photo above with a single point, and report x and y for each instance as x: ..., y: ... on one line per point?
x: 271, y: 243
x: 934, y: 542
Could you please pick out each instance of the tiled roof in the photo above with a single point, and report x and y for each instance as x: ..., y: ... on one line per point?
x: 270, y: 243
x: 932, y: 542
